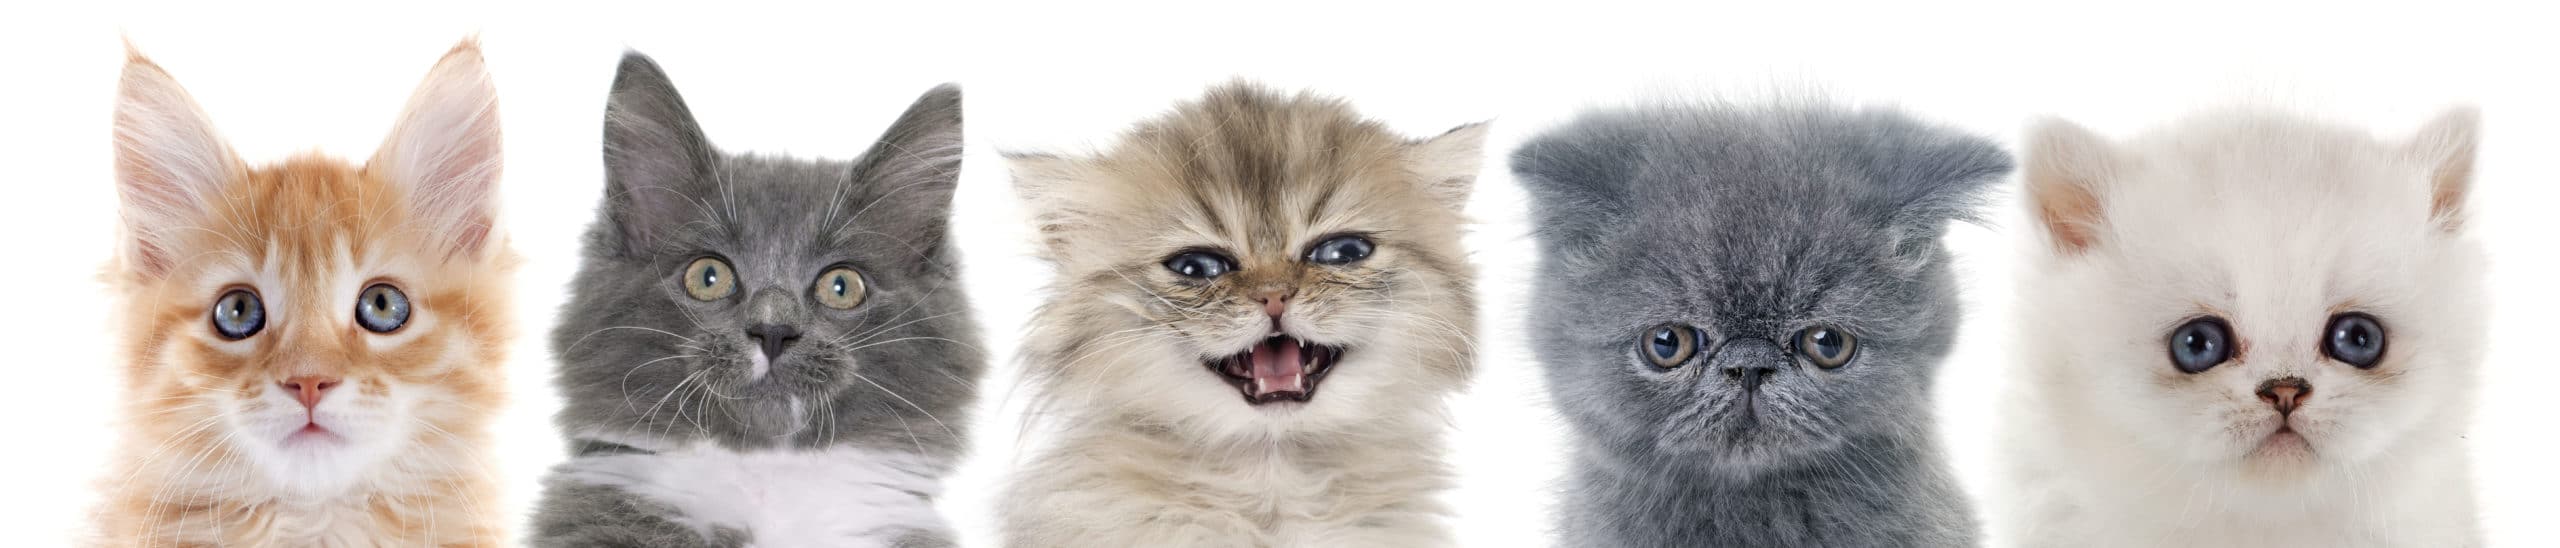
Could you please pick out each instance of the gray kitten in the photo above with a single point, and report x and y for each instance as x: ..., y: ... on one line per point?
x: 1740, y: 309
x: 761, y: 349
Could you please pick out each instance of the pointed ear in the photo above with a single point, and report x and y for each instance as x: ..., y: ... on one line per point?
x: 2067, y: 170
x: 1448, y: 163
x: 2447, y: 147
x: 654, y: 155
x: 910, y: 174
x: 445, y: 151
x: 169, y: 163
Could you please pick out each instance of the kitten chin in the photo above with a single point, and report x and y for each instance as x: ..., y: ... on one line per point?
x: 2287, y: 363
x: 313, y: 347
x: 1258, y: 295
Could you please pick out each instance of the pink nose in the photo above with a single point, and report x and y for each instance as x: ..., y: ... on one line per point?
x: 309, y: 388
x: 1275, y: 302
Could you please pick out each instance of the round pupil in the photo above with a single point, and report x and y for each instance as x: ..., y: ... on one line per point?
x: 1665, y: 344
x: 2198, y: 343
x: 1825, y: 339
x: 2355, y: 335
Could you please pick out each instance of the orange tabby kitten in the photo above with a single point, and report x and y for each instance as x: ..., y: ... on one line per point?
x: 314, y: 346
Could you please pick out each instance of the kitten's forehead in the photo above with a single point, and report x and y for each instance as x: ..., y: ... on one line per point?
x: 1266, y: 170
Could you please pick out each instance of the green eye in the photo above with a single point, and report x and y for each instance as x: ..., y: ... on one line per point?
x: 710, y: 279
x: 840, y: 288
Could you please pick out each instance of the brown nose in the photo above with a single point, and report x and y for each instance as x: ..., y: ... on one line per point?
x: 2285, y: 394
x: 309, y: 388
x: 1274, y: 302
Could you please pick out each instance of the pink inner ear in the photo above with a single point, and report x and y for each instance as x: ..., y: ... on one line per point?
x: 168, y: 161
x: 446, y: 150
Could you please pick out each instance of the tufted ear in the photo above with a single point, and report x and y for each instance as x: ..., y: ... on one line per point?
x: 2067, y: 172
x: 907, y: 178
x: 169, y: 162
x: 654, y: 154
x: 1448, y: 163
x: 1936, y: 176
x: 2447, y: 147
x: 1041, y: 180
x: 445, y: 150
x: 1576, y: 177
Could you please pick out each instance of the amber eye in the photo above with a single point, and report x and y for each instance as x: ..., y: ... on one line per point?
x: 238, y: 314
x: 382, y: 308
x: 840, y: 288
x: 1827, y: 347
x: 710, y: 279
x: 1667, y: 346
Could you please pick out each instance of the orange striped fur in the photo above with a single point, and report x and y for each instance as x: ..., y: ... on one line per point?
x: 307, y: 235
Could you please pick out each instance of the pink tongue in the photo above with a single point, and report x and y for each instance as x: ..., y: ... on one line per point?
x: 1276, y: 368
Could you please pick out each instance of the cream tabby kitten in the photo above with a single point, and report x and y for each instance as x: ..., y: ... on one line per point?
x: 2247, y: 329
x: 1260, y: 302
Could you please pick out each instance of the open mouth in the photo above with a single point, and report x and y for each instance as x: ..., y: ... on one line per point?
x: 1281, y: 368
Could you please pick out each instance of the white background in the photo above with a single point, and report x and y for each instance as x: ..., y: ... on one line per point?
x: 824, y: 81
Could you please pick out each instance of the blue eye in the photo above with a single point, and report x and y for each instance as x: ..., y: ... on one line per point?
x: 2200, y: 344
x: 2354, y: 338
x: 1669, y: 345
x: 238, y: 314
x: 382, y: 308
x: 1200, y: 264
x: 1341, y: 250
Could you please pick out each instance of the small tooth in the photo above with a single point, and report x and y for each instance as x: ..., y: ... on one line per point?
x: 1302, y: 344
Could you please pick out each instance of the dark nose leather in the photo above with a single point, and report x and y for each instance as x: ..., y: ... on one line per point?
x: 774, y: 337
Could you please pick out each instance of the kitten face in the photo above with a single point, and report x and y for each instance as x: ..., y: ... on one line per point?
x: 303, y: 324
x: 759, y: 300
x: 1256, y: 263
x: 2336, y: 295
x: 1735, y: 289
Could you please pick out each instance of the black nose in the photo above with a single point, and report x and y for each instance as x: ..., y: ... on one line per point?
x: 1749, y: 373
x: 774, y: 337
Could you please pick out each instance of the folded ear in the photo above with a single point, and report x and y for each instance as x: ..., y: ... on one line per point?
x: 1577, y: 179
x: 445, y: 151
x: 1448, y: 163
x: 2068, y: 169
x: 2447, y: 146
x: 907, y: 178
x: 169, y: 163
x: 654, y: 155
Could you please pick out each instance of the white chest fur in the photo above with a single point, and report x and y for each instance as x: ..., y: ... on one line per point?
x: 832, y: 497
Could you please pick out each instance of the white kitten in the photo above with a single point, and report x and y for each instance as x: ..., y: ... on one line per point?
x: 2286, y: 263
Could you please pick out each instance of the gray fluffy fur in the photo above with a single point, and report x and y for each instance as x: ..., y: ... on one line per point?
x: 896, y: 373
x: 1751, y: 223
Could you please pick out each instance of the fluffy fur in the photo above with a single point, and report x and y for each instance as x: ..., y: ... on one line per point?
x: 1154, y: 449
x: 1752, y: 225
x: 2274, y: 223
x: 685, y: 432
x: 215, y: 447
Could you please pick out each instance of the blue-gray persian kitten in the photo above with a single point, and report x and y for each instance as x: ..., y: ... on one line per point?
x: 1740, y: 309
